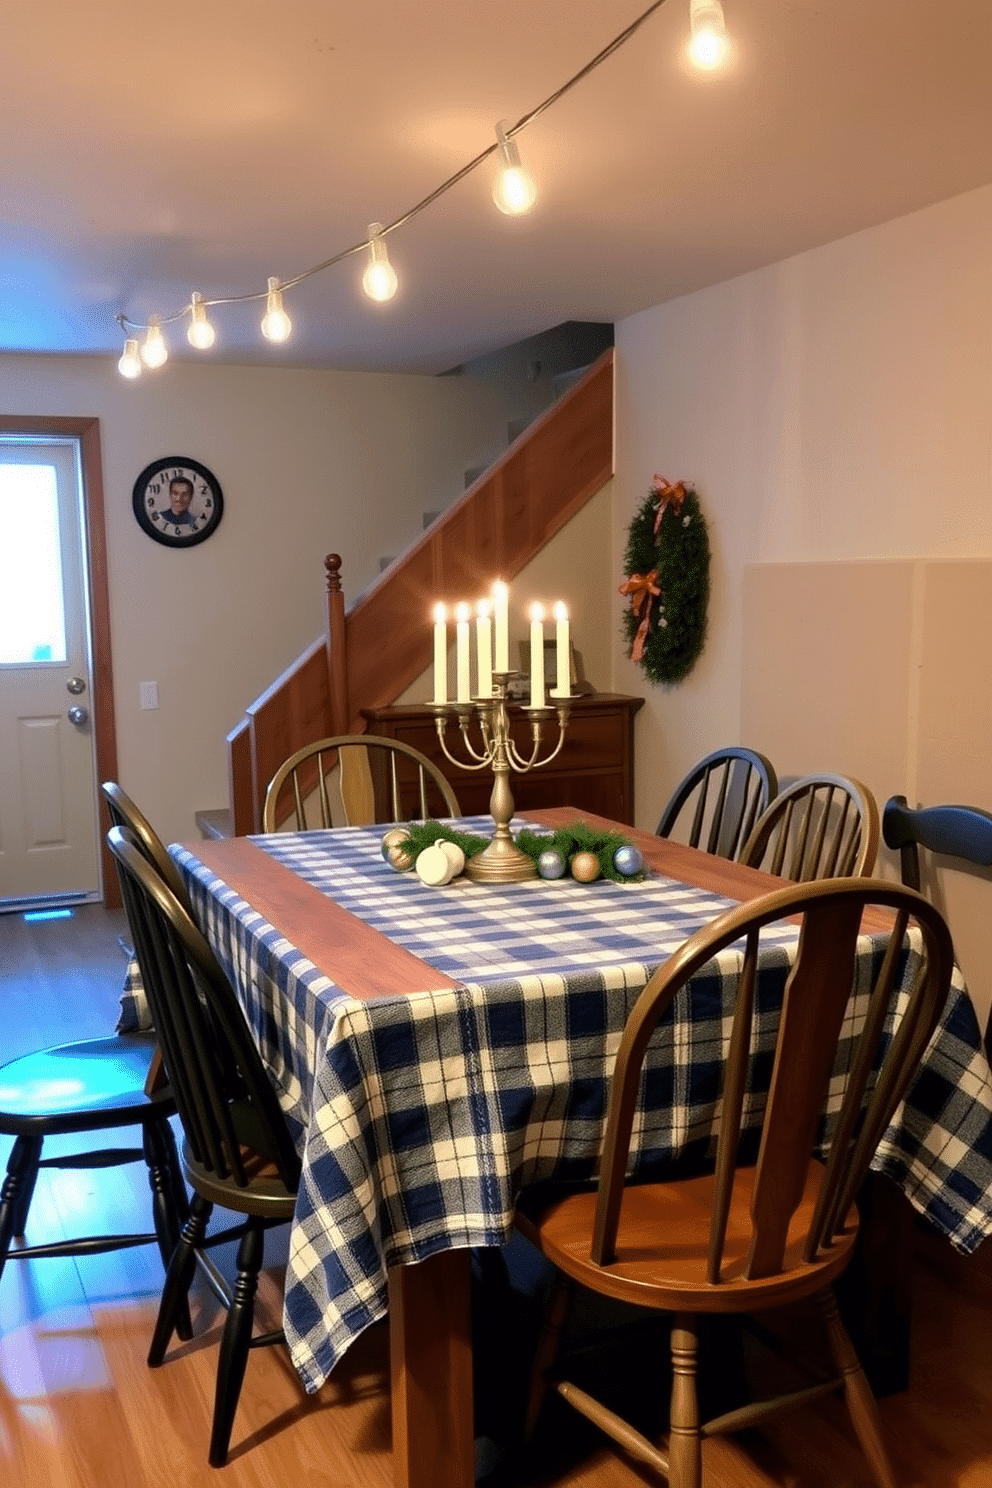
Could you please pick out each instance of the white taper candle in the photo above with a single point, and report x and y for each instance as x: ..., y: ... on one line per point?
x: 563, y: 682
x: 484, y: 641
x: 440, y: 654
x: 501, y: 600
x: 537, y: 656
x: 462, y: 677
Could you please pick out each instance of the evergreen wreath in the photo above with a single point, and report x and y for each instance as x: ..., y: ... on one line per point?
x: 667, y: 563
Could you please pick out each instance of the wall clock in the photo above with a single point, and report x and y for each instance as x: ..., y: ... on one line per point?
x: 178, y: 501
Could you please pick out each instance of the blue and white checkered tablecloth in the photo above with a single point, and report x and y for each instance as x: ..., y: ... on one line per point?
x: 421, y: 1117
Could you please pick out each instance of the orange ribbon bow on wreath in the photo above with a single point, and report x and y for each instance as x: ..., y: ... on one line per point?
x: 669, y: 494
x: 642, y: 588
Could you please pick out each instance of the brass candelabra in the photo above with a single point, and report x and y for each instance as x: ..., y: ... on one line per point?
x: 502, y: 861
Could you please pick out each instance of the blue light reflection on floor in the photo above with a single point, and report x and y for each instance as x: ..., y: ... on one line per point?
x: 47, y: 914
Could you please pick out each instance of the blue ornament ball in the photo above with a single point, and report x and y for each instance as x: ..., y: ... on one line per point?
x: 551, y: 864
x: 628, y: 860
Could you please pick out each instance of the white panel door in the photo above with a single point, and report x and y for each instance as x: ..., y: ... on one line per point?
x: 48, y: 811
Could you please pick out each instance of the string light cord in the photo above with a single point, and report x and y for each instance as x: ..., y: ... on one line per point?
x: 522, y: 123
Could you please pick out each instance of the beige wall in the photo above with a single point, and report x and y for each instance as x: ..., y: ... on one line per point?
x: 833, y: 409
x: 309, y: 462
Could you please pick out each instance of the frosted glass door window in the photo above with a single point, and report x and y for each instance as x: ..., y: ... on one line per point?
x: 32, y: 604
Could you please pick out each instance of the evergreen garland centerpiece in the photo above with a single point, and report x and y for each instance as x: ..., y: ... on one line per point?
x: 667, y: 564
x: 578, y: 850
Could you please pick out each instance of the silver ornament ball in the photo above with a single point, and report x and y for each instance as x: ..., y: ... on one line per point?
x: 628, y: 860
x: 551, y: 864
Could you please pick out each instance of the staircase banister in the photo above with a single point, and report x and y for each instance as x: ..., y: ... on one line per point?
x: 500, y: 523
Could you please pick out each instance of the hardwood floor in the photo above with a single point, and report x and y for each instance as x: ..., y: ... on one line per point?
x: 80, y: 1409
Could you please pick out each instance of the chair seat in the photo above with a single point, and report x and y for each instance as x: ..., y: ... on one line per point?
x: 266, y: 1194
x: 75, y: 1087
x: 663, y: 1240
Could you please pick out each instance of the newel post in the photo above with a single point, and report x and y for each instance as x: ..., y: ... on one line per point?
x: 337, y: 656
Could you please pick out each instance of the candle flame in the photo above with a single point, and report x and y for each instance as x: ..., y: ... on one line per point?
x: 537, y: 612
x: 440, y: 614
x: 560, y: 610
x: 462, y: 612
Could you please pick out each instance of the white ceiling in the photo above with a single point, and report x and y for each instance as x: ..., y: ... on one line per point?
x: 151, y: 149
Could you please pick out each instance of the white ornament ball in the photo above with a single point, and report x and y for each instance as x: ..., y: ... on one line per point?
x: 453, y: 853
x: 551, y: 863
x: 433, y: 867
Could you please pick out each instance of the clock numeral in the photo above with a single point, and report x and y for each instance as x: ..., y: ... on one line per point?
x: 208, y: 501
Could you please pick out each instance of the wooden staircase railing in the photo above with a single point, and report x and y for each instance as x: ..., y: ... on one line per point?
x: 372, y: 652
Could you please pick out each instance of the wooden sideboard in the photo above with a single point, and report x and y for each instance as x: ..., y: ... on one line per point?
x: 594, y: 771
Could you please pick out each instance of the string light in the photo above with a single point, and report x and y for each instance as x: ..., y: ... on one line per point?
x: 276, y: 324
x: 708, y: 43
x: 130, y: 363
x: 514, y: 193
x: 154, y: 352
x: 201, y: 333
x: 379, y: 280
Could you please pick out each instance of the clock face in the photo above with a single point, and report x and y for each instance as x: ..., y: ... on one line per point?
x: 178, y: 501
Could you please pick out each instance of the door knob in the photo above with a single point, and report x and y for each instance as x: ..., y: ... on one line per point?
x: 75, y: 685
x: 77, y: 714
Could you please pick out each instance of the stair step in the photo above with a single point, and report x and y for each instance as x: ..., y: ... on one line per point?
x: 430, y: 518
x: 471, y: 476
x: 385, y: 562
x: 516, y: 426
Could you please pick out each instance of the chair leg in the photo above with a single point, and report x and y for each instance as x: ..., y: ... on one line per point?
x: 178, y: 1280
x: 546, y: 1351
x: 160, y: 1156
x: 27, y: 1186
x: 685, y: 1440
x: 858, y: 1397
x: 236, y: 1341
x: 18, y: 1186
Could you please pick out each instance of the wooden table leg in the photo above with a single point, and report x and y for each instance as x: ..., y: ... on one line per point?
x: 430, y: 1346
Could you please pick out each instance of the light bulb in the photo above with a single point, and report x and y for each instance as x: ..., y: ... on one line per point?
x: 514, y: 191
x: 130, y: 363
x: 276, y: 324
x: 708, y: 45
x: 201, y: 333
x: 153, y: 349
x: 379, y: 280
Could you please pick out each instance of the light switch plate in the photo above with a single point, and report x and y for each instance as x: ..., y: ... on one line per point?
x: 148, y: 694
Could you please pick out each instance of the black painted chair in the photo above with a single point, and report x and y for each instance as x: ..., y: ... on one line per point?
x: 963, y: 832
x: 86, y: 1087
x: 124, y: 813
x: 960, y: 832
x: 237, y: 1149
x: 726, y: 793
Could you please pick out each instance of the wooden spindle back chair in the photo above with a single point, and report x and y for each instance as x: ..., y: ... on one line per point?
x: 352, y: 780
x: 822, y: 826
x: 755, y: 1234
